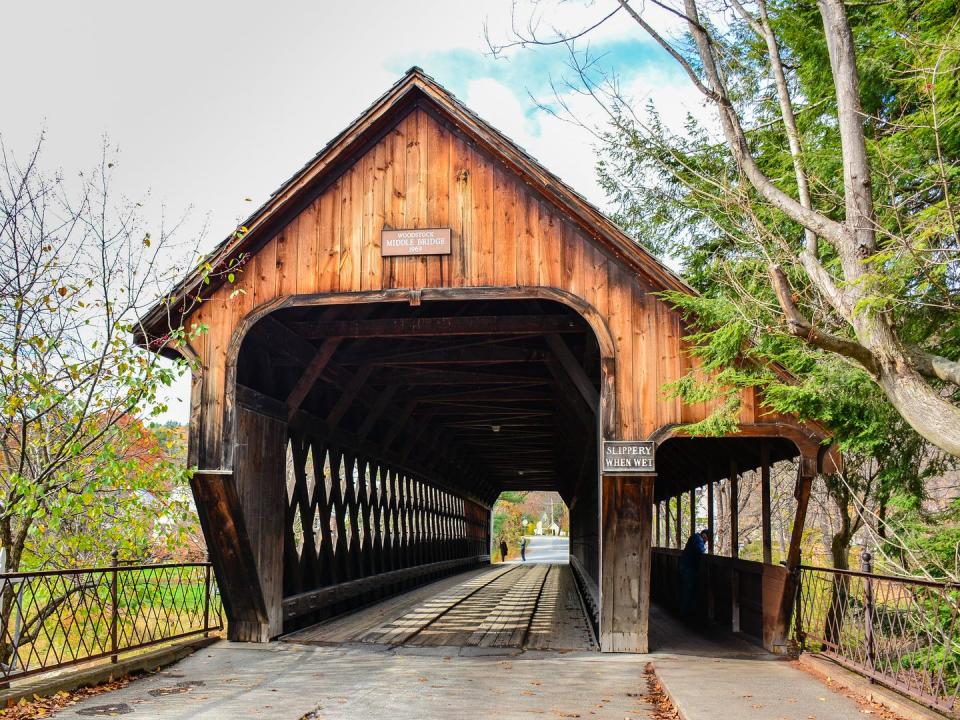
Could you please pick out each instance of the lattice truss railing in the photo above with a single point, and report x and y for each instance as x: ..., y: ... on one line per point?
x: 350, y: 516
x: 61, y: 617
x: 900, y: 632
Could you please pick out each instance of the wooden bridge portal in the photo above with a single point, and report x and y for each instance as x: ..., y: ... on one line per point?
x: 356, y: 412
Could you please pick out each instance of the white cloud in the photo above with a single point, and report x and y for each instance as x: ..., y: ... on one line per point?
x: 497, y: 104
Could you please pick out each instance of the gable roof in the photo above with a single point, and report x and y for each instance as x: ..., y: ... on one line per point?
x: 414, y: 89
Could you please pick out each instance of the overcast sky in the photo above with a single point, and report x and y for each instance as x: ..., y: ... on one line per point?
x: 212, y: 105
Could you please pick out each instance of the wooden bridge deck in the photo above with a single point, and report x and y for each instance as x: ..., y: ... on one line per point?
x: 523, y: 607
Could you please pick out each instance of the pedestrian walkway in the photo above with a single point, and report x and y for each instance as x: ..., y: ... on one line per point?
x: 714, y: 674
x: 505, y: 641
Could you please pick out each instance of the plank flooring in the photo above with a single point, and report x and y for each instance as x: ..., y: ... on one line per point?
x: 534, y: 606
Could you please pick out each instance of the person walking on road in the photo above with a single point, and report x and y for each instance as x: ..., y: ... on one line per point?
x: 523, y: 549
x: 503, y: 550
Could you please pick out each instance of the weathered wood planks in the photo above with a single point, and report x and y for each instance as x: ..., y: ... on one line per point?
x: 532, y: 606
x: 626, y: 519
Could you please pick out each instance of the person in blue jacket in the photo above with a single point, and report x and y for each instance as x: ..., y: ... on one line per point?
x: 695, y: 549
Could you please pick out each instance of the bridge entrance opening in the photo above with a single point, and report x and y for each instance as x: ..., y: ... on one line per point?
x: 398, y: 424
x: 532, y: 526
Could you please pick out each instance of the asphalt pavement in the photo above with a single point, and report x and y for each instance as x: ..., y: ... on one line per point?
x: 547, y: 549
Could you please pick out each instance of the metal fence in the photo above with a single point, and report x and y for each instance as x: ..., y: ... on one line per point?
x: 899, y: 632
x: 57, y: 618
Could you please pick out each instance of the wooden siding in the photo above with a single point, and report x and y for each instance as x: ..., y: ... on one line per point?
x: 260, y: 463
x: 422, y: 173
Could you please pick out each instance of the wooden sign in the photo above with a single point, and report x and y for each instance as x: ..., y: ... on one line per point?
x: 629, y: 456
x: 424, y: 241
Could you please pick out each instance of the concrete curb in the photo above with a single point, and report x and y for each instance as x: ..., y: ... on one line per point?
x: 849, y: 680
x: 666, y: 691
x: 71, y: 679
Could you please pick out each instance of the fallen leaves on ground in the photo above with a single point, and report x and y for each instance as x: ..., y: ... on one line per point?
x: 866, y: 706
x: 41, y: 707
x: 663, y: 707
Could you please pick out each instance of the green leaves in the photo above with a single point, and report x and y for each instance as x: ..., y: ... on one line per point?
x: 80, y: 473
x: 680, y: 193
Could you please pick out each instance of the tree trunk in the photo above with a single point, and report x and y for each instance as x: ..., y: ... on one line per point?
x: 882, y: 517
x: 919, y: 403
x: 840, y: 554
x: 14, y: 542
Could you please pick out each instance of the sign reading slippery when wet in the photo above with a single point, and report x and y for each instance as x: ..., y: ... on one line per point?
x: 628, y: 456
x: 425, y: 241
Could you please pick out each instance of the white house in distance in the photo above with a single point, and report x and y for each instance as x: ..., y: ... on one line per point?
x: 551, y: 528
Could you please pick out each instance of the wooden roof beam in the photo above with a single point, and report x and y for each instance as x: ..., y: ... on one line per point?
x: 574, y: 370
x: 279, y: 338
x: 513, y: 394
x: 311, y: 373
x: 494, y: 355
x: 445, y: 326
x: 376, y: 412
x: 349, y: 394
x: 316, y: 366
x: 568, y: 396
x: 455, y: 377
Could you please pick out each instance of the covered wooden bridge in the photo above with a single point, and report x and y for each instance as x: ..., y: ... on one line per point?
x: 419, y: 319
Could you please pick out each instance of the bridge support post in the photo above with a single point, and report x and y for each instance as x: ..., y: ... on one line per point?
x: 734, y: 546
x: 711, y: 598
x: 678, y: 519
x: 782, y: 598
x: 666, y: 522
x: 765, y: 503
x: 221, y: 515
x: 710, y: 516
x: 656, y: 525
x: 626, y: 521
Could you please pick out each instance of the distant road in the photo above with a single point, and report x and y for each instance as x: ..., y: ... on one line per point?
x: 547, y: 549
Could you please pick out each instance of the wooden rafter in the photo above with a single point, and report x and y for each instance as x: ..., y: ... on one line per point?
x: 311, y: 373
x: 574, y: 371
x: 440, y: 326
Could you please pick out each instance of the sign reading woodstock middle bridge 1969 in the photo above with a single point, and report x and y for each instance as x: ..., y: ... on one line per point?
x: 422, y: 241
x: 629, y: 456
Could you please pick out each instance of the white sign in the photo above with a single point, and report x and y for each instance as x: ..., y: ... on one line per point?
x: 423, y: 241
x: 629, y: 456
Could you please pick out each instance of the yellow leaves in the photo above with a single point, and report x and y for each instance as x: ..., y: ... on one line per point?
x: 146, y: 240
x: 37, y: 706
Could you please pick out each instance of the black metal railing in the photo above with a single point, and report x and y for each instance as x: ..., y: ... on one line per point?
x: 900, y: 632
x: 56, y: 618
